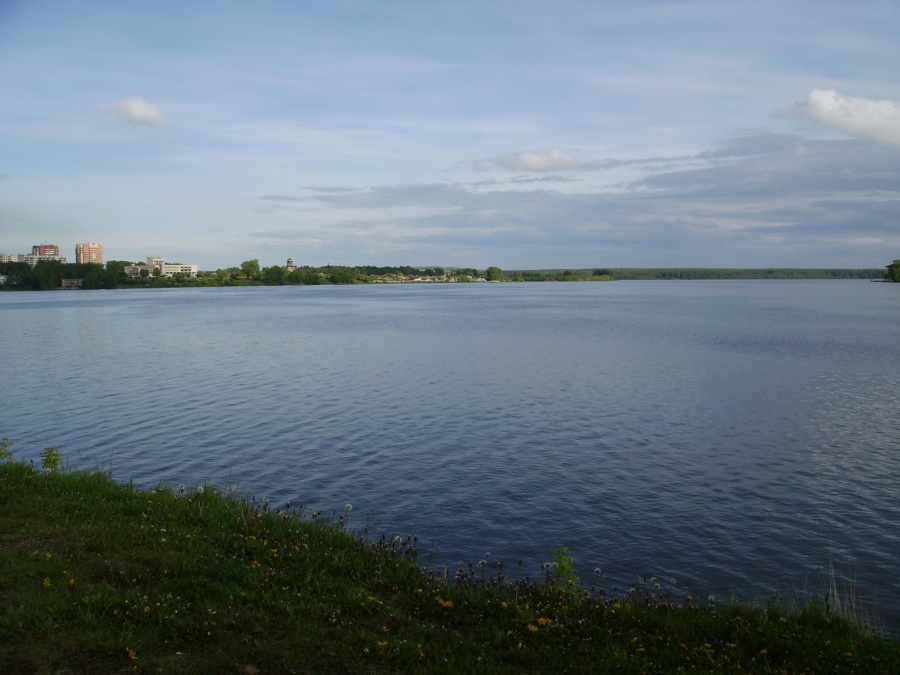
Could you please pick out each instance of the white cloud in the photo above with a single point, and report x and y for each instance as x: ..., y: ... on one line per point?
x: 860, y: 117
x: 138, y: 111
x: 538, y: 160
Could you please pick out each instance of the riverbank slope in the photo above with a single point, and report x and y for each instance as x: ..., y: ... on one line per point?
x: 97, y: 576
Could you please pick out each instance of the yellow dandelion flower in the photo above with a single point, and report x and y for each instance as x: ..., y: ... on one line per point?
x: 132, y: 655
x: 383, y: 643
x: 46, y: 583
x: 543, y: 622
x: 763, y: 651
x: 532, y: 628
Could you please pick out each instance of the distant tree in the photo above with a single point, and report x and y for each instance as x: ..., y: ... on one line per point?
x: 250, y: 269
x: 47, y: 275
x: 274, y: 274
x: 94, y: 276
x: 494, y: 274
x: 892, y: 273
x: 341, y: 275
x: 307, y: 276
x: 116, y: 267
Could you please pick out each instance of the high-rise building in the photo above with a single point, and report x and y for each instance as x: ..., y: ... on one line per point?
x: 45, y: 249
x: 89, y: 253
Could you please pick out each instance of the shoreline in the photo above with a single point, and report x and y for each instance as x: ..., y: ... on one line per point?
x: 197, y: 579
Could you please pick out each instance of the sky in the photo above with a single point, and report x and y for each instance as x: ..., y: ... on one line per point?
x: 526, y: 135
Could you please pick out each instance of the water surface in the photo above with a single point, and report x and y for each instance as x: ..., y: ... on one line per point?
x: 730, y: 435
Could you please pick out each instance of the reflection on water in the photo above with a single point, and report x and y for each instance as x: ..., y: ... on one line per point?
x: 730, y: 435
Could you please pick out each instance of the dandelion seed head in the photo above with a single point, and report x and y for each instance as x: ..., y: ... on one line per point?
x: 199, y: 489
x: 348, y: 507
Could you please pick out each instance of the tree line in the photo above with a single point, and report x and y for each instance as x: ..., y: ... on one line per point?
x: 737, y: 273
x: 892, y: 273
x: 48, y: 275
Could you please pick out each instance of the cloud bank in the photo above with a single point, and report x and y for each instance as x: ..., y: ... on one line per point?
x: 552, y: 159
x: 138, y: 111
x: 756, y: 201
x: 878, y: 120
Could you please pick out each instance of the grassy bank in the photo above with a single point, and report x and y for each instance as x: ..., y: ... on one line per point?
x: 101, y: 577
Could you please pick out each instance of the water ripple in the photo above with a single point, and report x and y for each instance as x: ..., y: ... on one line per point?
x: 730, y: 436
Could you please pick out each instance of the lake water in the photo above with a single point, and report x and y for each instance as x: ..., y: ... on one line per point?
x: 730, y: 435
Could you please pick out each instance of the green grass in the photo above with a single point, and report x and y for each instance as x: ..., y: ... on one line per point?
x: 97, y: 576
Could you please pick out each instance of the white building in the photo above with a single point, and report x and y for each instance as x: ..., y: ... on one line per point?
x: 165, y: 269
x: 177, y: 268
x: 33, y: 259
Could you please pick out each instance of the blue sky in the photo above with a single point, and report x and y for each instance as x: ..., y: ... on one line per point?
x: 519, y: 134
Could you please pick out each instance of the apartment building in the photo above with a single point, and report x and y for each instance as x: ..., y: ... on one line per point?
x: 89, y: 253
x: 38, y: 253
x: 33, y: 259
